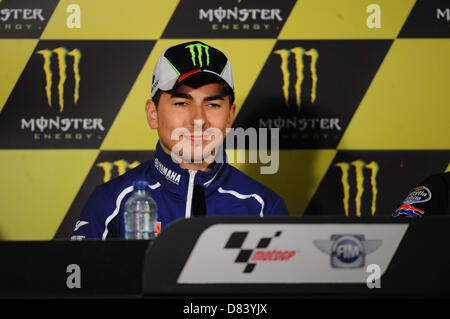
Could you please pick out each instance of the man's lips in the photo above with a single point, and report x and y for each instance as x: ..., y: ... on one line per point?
x: 197, y: 138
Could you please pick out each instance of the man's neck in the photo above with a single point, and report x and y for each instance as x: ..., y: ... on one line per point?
x: 203, y: 166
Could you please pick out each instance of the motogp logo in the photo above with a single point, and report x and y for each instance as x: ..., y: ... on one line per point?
x: 249, y: 257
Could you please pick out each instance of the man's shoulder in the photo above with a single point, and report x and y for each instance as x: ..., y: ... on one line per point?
x: 242, y: 182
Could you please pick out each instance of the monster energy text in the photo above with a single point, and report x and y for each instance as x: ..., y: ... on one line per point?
x: 21, y: 14
x: 235, y: 19
x: 237, y: 27
x: 297, y: 128
x: 62, y: 128
x: 62, y: 136
x: 301, y: 124
x: 242, y: 15
x: 18, y: 19
x: 62, y: 124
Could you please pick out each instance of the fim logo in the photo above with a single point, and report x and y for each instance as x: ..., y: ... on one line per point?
x: 298, y: 54
x: 249, y: 257
x: 61, y: 54
x: 199, y: 54
x: 347, y: 251
x: 359, y: 166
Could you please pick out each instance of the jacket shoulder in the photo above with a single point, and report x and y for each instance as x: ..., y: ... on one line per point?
x: 241, y: 181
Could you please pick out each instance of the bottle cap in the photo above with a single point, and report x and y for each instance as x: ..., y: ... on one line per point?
x: 140, y: 185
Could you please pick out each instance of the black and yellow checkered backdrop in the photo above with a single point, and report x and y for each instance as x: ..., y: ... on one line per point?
x: 358, y: 88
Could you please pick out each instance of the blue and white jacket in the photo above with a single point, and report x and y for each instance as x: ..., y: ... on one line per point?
x: 227, y: 191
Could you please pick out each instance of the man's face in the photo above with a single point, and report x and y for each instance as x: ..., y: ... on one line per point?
x: 191, y: 122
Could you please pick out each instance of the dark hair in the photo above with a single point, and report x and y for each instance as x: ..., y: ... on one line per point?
x: 198, y: 80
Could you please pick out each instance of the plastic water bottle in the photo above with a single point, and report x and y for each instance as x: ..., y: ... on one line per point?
x: 141, y: 213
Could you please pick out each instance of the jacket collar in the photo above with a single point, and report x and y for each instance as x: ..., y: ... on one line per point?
x: 176, y: 179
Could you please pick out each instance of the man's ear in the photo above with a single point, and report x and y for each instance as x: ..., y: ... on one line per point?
x: 231, y: 115
x: 152, y: 114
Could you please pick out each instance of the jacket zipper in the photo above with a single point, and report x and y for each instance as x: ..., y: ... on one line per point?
x: 189, y: 193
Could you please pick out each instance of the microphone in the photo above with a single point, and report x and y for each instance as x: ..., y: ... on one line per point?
x: 198, y: 201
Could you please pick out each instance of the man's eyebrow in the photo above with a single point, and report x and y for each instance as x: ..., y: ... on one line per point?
x: 214, y: 97
x: 189, y: 97
x: 181, y: 95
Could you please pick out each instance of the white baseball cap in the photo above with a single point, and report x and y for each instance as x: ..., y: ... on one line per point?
x: 183, y: 60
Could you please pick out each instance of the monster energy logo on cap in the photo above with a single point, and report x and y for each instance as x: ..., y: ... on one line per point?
x: 199, y: 47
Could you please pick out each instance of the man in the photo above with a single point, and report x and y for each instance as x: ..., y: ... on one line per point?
x: 430, y: 198
x: 191, y: 107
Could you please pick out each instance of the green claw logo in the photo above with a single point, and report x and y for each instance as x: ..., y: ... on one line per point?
x: 359, y: 176
x: 61, y: 54
x: 298, y: 53
x: 199, y: 48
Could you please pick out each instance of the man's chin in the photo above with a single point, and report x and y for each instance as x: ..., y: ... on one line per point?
x: 195, y: 152
x: 198, y: 158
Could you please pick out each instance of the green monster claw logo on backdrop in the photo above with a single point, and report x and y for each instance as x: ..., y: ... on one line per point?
x: 199, y: 48
x: 122, y: 167
x: 298, y: 52
x: 359, y: 174
x: 61, y: 53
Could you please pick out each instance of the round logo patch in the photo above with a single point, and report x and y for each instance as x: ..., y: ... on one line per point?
x: 419, y: 194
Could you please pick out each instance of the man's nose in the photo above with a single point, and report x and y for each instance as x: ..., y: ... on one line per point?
x: 198, y: 116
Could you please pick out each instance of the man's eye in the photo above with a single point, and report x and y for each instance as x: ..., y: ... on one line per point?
x: 214, y: 105
x: 180, y: 103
